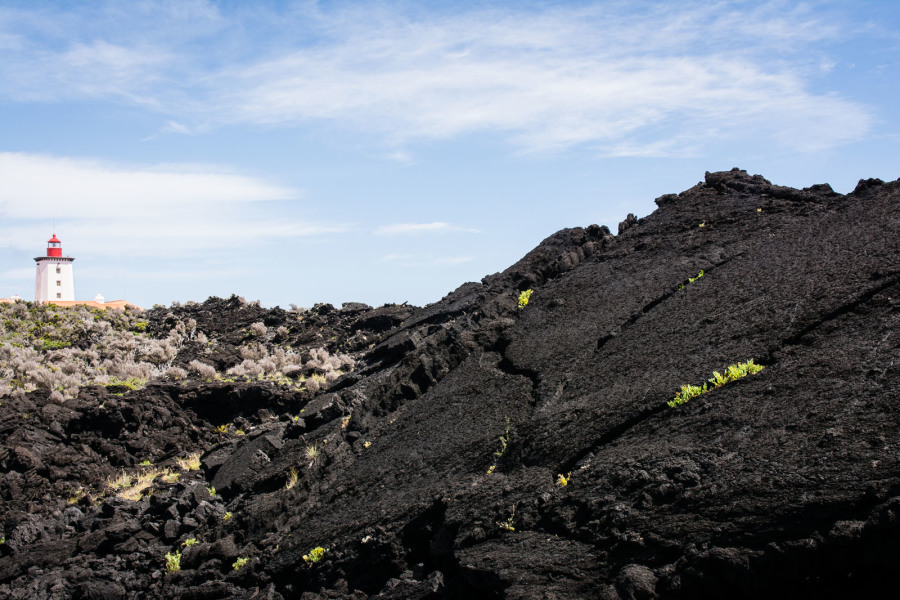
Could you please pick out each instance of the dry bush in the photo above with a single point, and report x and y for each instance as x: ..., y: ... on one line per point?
x: 292, y: 370
x: 254, y: 351
x: 176, y: 373
x: 203, y: 370
x: 258, y: 329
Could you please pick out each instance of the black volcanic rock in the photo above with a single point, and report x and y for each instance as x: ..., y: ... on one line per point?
x: 433, y: 470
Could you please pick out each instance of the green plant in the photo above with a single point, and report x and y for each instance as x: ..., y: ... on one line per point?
x: 687, y: 392
x: 508, y: 524
x: 504, y: 441
x: 315, y: 555
x: 563, y: 480
x: 3, y: 540
x: 173, y: 562
x: 524, y: 297
x: 145, y: 463
x: 227, y: 516
x: 190, y: 542
x: 212, y: 490
x: 240, y: 562
x: 691, y: 280
x: 732, y: 373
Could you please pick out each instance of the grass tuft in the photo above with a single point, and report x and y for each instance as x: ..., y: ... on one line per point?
x: 189, y: 463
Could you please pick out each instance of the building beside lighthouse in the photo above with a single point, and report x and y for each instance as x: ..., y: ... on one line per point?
x: 55, y: 279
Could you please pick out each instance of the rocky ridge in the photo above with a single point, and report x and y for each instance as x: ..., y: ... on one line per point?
x: 435, y: 468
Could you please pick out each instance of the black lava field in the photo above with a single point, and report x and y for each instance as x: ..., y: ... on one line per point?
x: 487, y: 447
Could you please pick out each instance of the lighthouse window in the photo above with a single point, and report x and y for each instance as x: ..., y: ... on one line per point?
x: 58, y: 269
x: 58, y: 283
x: 58, y: 296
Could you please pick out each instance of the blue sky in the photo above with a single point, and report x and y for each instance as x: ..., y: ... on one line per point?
x: 302, y: 152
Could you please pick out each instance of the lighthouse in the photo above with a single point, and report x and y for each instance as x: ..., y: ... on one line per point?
x: 54, y: 280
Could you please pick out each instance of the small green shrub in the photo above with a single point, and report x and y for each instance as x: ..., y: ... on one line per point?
x: 315, y: 555
x: 240, y: 562
x: 227, y: 516
x: 190, y: 542
x: 524, y: 297
x: 173, y: 562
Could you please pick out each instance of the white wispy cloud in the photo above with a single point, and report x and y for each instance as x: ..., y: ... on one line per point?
x: 17, y: 275
x: 426, y: 260
x: 636, y: 78
x: 37, y: 185
x: 421, y: 228
x: 157, y: 210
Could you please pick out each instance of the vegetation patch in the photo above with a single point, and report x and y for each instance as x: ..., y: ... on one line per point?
x: 189, y: 463
x: 292, y: 479
x: 732, y: 373
x: 509, y: 523
x: 314, y: 555
x: 131, y: 486
x: 691, y: 280
x: 173, y: 562
x: 524, y: 297
x: 504, y: 444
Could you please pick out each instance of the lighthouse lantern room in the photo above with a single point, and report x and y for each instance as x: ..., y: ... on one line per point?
x: 54, y: 280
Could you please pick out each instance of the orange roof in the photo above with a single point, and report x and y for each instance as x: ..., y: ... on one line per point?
x: 115, y: 304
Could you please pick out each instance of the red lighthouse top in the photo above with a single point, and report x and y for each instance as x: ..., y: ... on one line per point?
x: 54, y: 247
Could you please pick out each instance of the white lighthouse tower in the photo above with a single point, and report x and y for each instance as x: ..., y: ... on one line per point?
x: 54, y: 279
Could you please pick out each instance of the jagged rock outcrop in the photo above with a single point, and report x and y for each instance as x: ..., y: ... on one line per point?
x: 433, y: 469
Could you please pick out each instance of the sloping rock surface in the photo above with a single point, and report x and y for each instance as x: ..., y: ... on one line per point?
x: 433, y: 470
